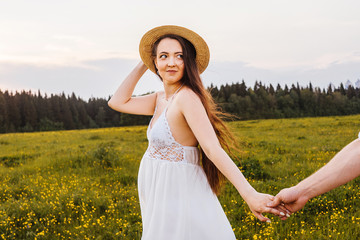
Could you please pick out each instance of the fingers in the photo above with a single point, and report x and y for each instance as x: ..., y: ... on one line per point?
x: 278, y: 209
x: 261, y: 217
x: 292, y: 207
x: 273, y: 211
x: 283, y: 209
x: 282, y: 212
x: 283, y: 216
x: 275, y: 202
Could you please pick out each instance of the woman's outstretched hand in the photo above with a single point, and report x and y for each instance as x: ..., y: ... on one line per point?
x: 258, y: 205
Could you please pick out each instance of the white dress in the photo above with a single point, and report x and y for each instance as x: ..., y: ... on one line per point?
x: 176, y: 200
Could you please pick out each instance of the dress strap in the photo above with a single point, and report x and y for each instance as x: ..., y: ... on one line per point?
x: 178, y: 89
x: 172, y: 97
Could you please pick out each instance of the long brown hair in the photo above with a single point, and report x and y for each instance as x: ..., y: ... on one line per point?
x: 192, y: 80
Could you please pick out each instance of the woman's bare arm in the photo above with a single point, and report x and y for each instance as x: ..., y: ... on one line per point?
x: 123, y: 102
x: 191, y: 107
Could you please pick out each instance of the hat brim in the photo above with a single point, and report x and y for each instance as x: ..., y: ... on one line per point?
x: 149, y: 38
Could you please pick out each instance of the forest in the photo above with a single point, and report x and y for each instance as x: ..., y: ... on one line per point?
x: 27, y: 111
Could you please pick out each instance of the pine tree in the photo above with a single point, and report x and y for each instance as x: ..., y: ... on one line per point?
x: 329, y: 90
x: 286, y: 89
x: 271, y: 89
x: 13, y: 112
x: 350, y: 92
x: 310, y: 87
x: 66, y: 116
x: 243, y: 89
x: 100, y: 117
x: 4, y: 118
x: 342, y: 89
x: 28, y: 111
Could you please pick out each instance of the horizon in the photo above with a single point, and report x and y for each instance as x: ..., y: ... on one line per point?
x: 34, y: 92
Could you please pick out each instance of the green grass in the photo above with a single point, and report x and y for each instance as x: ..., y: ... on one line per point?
x: 82, y: 184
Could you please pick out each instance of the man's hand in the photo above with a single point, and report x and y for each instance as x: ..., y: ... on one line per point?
x: 290, y: 198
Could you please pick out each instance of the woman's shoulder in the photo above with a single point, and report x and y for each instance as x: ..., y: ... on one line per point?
x: 188, y: 93
x: 187, y: 97
x: 159, y: 94
x: 156, y: 93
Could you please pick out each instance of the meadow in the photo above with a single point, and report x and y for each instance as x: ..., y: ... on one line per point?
x: 82, y: 184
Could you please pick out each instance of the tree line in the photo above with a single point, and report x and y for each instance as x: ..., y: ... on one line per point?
x: 288, y: 102
x: 26, y: 111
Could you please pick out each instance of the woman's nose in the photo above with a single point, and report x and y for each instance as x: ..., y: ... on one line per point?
x: 171, y: 62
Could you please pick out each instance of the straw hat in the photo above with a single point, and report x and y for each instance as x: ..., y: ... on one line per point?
x: 149, y: 38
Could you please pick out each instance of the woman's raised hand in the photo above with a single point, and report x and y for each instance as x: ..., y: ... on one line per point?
x: 123, y: 101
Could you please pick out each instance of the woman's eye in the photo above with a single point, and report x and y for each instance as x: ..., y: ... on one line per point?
x: 180, y: 56
x: 162, y: 56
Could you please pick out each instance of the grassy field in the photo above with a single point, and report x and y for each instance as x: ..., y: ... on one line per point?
x: 82, y: 184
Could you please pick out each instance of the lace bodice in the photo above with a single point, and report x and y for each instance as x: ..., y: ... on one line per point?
x: 162, y: 144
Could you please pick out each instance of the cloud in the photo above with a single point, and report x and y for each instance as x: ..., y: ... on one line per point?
x: 68, y: 44
x: 328, y: 60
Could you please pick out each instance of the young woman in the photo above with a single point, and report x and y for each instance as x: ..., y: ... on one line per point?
x: 180, y: 172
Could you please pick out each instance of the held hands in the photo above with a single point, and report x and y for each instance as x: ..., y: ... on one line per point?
x: 291, y: 198
x: 258, y: 205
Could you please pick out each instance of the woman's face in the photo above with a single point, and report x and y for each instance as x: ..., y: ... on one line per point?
x: 169, y: 60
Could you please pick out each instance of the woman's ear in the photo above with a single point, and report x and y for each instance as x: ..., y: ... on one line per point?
x: 155, y: 62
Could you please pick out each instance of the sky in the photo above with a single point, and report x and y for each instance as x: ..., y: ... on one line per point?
x: 89, y: 47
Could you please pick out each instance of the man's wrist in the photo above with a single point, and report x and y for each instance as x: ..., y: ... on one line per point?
x: 305, y: 192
